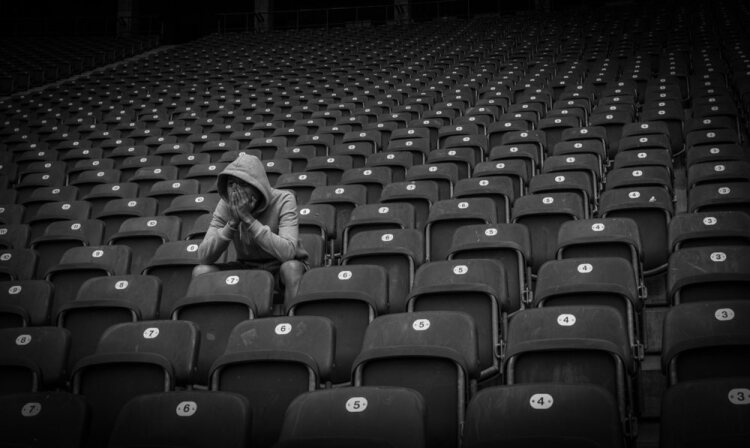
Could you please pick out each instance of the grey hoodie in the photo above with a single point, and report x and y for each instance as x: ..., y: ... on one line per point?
x: 273, y: 235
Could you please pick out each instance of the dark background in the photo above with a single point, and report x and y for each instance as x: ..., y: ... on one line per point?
x: 177, y: 21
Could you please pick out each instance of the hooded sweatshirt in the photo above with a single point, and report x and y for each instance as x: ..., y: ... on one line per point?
x: 274, y: 233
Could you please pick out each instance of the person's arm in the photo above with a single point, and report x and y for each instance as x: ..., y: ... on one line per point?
x: 283, y: 246
x: 219, y: 234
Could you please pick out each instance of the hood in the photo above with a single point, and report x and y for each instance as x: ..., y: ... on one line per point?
x: 249, y: 169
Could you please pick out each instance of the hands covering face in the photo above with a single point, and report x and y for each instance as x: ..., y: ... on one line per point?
x: 242, y: 202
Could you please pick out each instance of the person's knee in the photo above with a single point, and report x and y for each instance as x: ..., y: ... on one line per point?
x: 291, y: 272
x: 204, y: 269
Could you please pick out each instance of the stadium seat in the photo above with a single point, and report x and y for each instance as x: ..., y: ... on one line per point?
x: 216, y: 302
x: 355, y: 416
x: 572, y: 345
x: 188, y: 419
x: 712, y: 415
x: 133, y: 359
x: 652, y: 209
x: 543, y: 215
x: 696, y: 273
x: 33, y: 359
x: 564, y: 415
x: 432, y: 352
x: 708, y: 229
x: 190, y: 207
x: 272, y: 360
x: 44, y: 419
x: 24, y: 303
x: 398, y: 251
x: 173, y: 264
x: 18, y: 264
x: 351, y: 296
x: 446, y: 219
x: 475, y: 287
x: 706, y: 340
x: 105, y: 301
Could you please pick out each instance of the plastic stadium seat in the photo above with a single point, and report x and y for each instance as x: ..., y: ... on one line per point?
x: 397, y: 162
x: 33, y: 359
x: 373, y: 178
x: 59, y: 236
x: 640, y: 176
x: 398, y: 251
x: 378, y: 217
x: 706, y: 340
x: 709, y: 229
x: 443, y: 174
x: 344, y: 198
x: 696, y: 273
x: 514, y: 169
x: 57, y: 211
x: 355, y: 416
x: 705, y: 413
x: 652, y: 209
x: 11, y: 214
x: 593, y: 281
x: 78, y: 264
x: 271, y: 361
x: 86, y: 180
x: 417, y: 148
x: 605, y: 237
x: 105, y: 301
x: 206, y: 175
x: 274, y: 168
x: 43, y: 419
x: 173, y: 264
x: 528, y: 153
x: 117, y: 211
x: 563, y: 415
x: 133, y: 359
x: 317, y: 231
x: 543, y: 215
x: 102, y: 193
x: 498, y: 189
x: 332, y: 166
x: 302, y: 184
x: 475, y: 287
x: 593, y: 147
x: 146, y: 176
x: 446, y: 219
x: 420, y: 194
x: 14, y: 236
x: 185, y: 418
x: 18, y: 264
x: 351, y: 296
x: 729, y: 196
x: 572, y: 345
x: 432, y: 352
x: 718, y: 173
x: 131, y: 165
x: 24, y: 303
x: 190, y: 207
x: 566, y: 182
x: 714, y: 153
x: 41, y: 195
x: 143, y: 235
x: 166, y: 190
x: 218, y: 301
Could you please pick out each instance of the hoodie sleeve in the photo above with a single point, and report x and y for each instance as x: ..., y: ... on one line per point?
x: 218, y: 235
x: 283, y: 246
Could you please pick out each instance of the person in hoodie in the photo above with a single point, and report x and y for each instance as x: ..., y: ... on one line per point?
x: 259, y: 220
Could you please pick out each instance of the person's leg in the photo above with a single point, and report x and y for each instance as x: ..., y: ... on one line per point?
x: 291, y: 273
x: 204, y: 269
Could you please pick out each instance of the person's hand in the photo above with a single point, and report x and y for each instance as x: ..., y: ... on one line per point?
x: 242, y: 204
